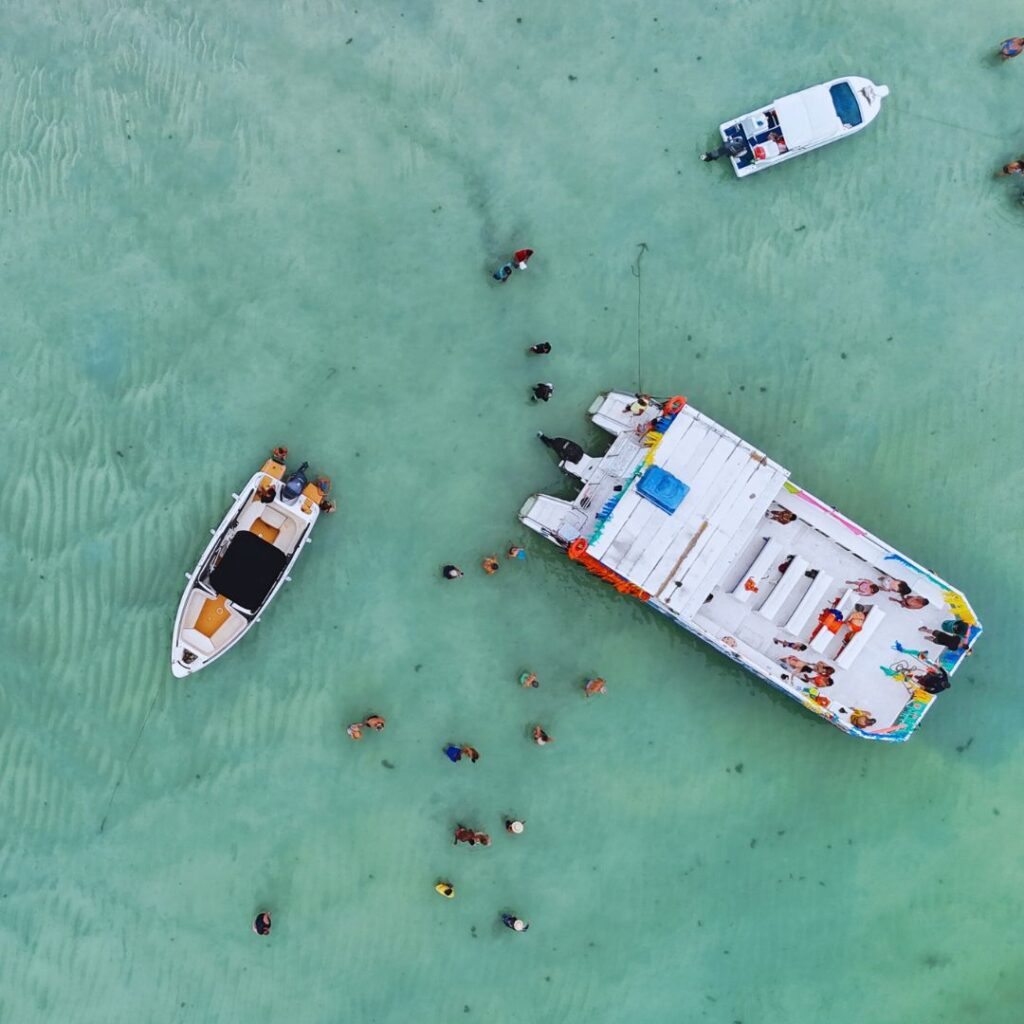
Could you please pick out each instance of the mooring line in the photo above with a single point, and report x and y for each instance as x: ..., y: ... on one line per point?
x: 642, y: 246
x: 131, y: 754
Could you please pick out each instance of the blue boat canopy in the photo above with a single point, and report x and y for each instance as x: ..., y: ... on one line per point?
x: 662, y: 489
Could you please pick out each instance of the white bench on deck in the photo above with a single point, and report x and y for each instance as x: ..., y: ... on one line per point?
x: 786, y: 585
x: 854, y: 647
x: 809, y: 603
x: 825, y: 635
x: 760, y: 564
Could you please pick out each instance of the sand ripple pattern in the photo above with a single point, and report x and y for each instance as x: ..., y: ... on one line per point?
x: 228, y: 225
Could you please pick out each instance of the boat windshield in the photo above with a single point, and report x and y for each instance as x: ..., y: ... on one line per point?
x: 847, y: 107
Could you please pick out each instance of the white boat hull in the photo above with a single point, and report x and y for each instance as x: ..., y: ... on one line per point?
x: 803, y: 121
x: 695, y: 522
x: 210, y: 622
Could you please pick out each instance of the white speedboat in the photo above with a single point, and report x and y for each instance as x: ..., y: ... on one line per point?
x: 246, y: 562
x: 798, y: 123
x: 698, y: 524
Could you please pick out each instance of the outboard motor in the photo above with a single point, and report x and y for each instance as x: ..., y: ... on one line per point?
x: 566, y: 450
x: 294, y: 484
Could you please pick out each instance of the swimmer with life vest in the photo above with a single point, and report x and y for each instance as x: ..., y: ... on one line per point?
x: 446, y: 889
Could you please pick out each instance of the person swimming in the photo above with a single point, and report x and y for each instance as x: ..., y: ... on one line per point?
x: 1012, y: 47
x: 446, y: 889
x: 542, y: 348
x: 543, y: 391
x: 595, y: 685
x: 517, y: 924
x: 540, y: 737
x: 452, y: 572
x: 529, y: 680
x: 504, y: 272
x: 261, y: 923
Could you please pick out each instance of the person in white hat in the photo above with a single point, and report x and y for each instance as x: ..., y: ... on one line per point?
x: 517, y: 924
x: 514, y: 826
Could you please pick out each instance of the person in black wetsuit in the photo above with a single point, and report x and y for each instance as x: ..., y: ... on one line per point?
x: 731, y: 147
x: 542, y: 348
x: 566, y: 450
x: 543, y: 391
x: 261, y: 923
x: 950, y: 641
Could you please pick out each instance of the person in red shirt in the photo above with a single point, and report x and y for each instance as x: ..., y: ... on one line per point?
x: 521, y: 257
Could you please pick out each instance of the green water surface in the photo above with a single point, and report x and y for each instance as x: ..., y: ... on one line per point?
x: 233, y: 225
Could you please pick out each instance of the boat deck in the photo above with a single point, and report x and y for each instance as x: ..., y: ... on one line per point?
x: 685, y: 515
x: 786, y: 606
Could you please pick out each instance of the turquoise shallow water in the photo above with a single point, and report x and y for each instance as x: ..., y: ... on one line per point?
x: 231, y: 225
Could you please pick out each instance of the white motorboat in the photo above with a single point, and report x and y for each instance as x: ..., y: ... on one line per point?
x: 799, y: 122
x: 700, y: 525
x: 246, y: 562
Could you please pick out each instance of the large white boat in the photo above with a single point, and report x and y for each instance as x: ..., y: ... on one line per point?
x: 246, y: 562
x: 799, y: 122
x: 706, y: 529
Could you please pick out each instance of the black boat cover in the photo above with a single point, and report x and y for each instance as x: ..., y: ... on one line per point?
x: 248, y: 571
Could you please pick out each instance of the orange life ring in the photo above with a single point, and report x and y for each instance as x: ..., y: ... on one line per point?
x: 673, y: 405
x: 578, y: 547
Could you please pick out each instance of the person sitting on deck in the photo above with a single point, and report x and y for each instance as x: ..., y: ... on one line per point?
x: 639, y: 405
x: 861, y: 719
x: 854, y: 623
x: 830, y: 619
x: 935, y: 680
x: 780, y: 515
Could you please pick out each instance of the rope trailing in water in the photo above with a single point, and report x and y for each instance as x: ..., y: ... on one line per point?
x: 131, y: 754
x: 642, y: 246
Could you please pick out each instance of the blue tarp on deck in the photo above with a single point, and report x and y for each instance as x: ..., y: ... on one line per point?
x: 662, y: 489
